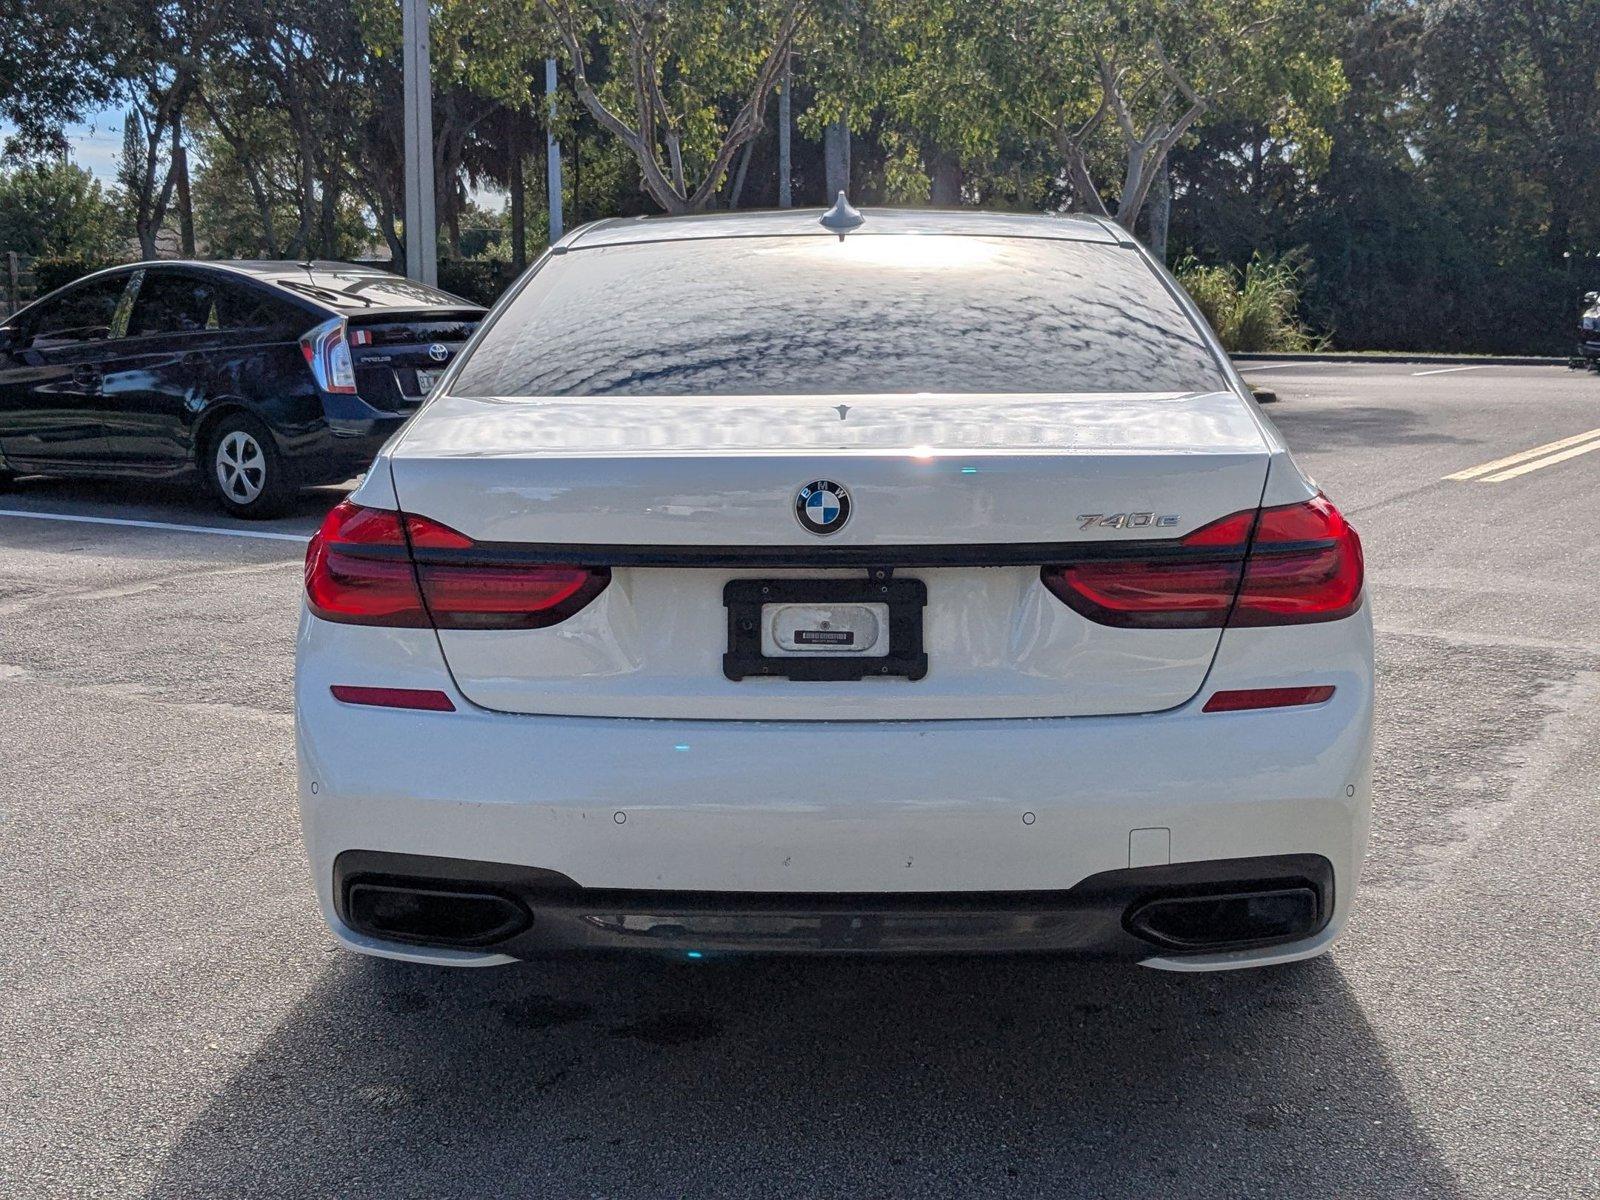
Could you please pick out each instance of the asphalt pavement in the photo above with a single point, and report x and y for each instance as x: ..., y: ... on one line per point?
x: 177, y: 1022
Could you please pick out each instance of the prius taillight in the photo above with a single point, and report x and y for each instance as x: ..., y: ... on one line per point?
x: 327, y: 353
x: 370, y: 566
x: 1291, y: 564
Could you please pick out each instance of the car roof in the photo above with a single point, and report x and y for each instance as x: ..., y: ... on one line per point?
x: 806, y: 222
x: 316, y: 281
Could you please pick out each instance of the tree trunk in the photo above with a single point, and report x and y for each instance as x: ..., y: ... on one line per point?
x: 1134, y: 188
x: 945, y: 178
x: 836, y: 158
x: 577, y: 178
x: 328, y: 228
x: 738, y: 177
x: 180, y: 174
x: 1160, y: 207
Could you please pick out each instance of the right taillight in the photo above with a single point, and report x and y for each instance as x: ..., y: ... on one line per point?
x: 369, y: 566
x: 1290, y: 564
x: 1304, y: 565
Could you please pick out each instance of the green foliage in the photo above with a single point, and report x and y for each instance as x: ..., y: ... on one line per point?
x: 52, y: 273
x: 58, y: 210
x: 1438, y: 160
x: 1254, y: 309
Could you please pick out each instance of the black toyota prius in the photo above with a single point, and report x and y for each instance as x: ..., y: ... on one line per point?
x: 256, y: 377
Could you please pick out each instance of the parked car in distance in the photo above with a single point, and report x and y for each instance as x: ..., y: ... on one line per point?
x: 259, y: 377
x: 904, y: 582
x: 1589, y: 332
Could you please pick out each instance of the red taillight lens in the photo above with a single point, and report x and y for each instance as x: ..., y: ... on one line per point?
x: 1302, y: 563
x: 370, y: 566
x: 506, y: 597
x: 358, y: 570
x: 1191, y: 587
x: 1305, y: 565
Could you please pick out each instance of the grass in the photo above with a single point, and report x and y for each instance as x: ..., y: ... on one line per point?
x: 1253, y: 309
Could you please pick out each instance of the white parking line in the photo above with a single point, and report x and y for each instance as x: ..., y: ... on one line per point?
x: 1511, y: 460
x: 169, y: 525
x: 1447, y: 370
x: 1278, y: 366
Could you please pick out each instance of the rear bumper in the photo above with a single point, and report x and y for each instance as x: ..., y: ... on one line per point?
x: 1252, y: 903
x: 870, y: 816
x: 340, y: 446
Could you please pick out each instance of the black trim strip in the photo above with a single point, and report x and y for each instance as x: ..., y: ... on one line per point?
x: 821, y: 556
x: 995, y: 554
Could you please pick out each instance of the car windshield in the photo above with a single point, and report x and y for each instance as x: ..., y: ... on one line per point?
x: 865, y: 315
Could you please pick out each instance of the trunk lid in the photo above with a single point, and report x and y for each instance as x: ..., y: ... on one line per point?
x: 399, y: 355
x: 681, y: 497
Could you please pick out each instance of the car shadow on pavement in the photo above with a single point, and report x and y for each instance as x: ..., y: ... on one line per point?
x: 184, y: 500
x: 1361, y: 426
x: 827, y: 1078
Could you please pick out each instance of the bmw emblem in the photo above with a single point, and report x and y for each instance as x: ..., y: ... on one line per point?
x: 822, y: 507
x: 438, y: 352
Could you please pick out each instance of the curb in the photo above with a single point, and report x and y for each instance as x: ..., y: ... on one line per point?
x: 1450, y: 360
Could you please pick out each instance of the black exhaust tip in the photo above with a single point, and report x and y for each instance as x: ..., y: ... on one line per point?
x: 433, y: 916
x: 1228, y: 920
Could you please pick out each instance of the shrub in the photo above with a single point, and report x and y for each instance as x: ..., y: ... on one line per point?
x: 1252, y: 309
x: 476, y: 279
x: 51, y: 273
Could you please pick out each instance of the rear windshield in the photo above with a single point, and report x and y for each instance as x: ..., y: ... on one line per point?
x: 361, y: 290
x: 820, y: 316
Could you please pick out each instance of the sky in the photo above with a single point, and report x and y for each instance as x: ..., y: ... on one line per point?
x: 96, y: 142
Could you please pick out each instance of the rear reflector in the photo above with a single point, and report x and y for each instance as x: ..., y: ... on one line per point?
x: 1282, y: 697
x: 369, y: 566
x: 1291, y: 564
x: 384, y: 697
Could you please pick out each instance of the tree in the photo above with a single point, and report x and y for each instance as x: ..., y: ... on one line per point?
x: 1118, y: 86
x: 57, y: 59
x: 166, y: 47
x: 1511, y: 93
x: 57, y: 210
x: 676, y: 67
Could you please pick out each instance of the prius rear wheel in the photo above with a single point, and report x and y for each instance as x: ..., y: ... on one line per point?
x: 245, y: 470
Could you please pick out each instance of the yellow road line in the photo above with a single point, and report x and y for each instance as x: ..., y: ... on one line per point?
x: 1549, y: 460
x: 1512, y: 460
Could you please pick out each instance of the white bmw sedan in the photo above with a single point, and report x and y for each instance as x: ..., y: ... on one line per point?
x: 914, y: 582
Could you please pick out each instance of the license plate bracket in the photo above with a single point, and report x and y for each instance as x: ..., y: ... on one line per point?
x: 747, y: 598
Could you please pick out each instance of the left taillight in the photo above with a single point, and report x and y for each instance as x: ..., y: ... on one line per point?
x: 368, y: 566
x: 327, y: 353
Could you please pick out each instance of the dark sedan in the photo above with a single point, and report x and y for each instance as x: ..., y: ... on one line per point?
x: 1589, y: 333
x: 261, y: 377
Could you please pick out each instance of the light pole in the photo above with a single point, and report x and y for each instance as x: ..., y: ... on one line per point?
x: 552, y: 152
x: 785, y: 196
x: 422, y: 226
